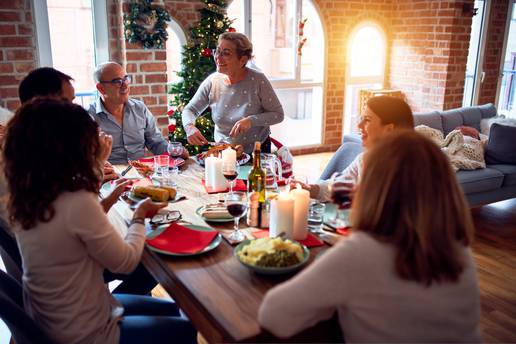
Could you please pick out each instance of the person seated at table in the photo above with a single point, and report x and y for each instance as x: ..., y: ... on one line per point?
x: 406, y: 272
x: 127, y: 120
x: 65, y: 238
x: 47, y: 81
x: 383, y: 115
x: 242, y: 101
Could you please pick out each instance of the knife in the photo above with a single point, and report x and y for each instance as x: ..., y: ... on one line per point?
x: 127, y: 169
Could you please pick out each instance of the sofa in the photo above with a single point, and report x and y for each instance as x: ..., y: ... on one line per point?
x: 494, y: 183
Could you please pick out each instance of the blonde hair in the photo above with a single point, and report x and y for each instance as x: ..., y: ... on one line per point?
x: 409, y: 197
x: 244, y: 47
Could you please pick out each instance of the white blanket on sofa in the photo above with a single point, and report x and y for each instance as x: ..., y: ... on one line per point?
x: 463, y: 152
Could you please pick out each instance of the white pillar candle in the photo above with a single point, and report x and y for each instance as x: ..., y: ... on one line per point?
x: 301, y: 199
x: 208, y: 168
x: 229, y: 158
x: 219, y: 183
x: 281, y: 218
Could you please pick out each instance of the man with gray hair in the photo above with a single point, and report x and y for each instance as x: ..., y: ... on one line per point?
x: 127, y: 120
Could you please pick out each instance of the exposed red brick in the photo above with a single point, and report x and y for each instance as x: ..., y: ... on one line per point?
x: 20, y: 55
x: 139, y: 90
x: 7, y: 29
x: 15, y: 41
x: 6, y: 68
x: 154, y: 78
x: 153, y: 67
x: 6, y: 16
x: 138, y: 55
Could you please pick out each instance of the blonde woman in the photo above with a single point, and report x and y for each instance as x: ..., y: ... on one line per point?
x: 406, y: 274
x: 242, y: 101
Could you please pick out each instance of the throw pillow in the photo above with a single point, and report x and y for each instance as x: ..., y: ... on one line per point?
x: 500, y: 147
x: 485, y: 124
x: 469, y: 131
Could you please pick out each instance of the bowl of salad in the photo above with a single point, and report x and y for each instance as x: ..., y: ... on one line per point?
x: 272, y: 256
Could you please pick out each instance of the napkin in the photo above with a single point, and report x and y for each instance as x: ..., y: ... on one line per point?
x: 182, y: 240
x: 238, y: 186
x: 310, y: 241
x: 217, y: 211
x: 173, y: 162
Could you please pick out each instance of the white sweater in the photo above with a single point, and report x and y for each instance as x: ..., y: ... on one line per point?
x: 356, y: 278
x: 350, y: 174
x: 63, y: 262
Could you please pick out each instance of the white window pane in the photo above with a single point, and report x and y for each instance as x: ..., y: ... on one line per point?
x: 312, y: 58
x: 367, y: 52
x: 174, y: 46
x: 71, y: 37
x: 302, y: 125
x: 236, y: 13
x: 352, y: 114
x: 273, y: 36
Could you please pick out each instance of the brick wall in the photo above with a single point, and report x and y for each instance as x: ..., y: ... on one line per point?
x: 493, y: 53
x: 429, y: 45
x: 17, y: 48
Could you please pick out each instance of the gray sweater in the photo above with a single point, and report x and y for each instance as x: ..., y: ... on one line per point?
x: 253, y: 97
x: 63, y: 262
x: 356, y: 279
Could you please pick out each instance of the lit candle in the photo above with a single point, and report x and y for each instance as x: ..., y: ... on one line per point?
x: 209, y: 165
x: 214, y: 175
x: 229, y: 158
x: 301, y: 199
x: 281, y: 218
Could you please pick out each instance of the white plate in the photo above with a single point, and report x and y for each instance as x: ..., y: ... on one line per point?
x: 199, y: 210
x: 135, y: 198
x: 242, y: 161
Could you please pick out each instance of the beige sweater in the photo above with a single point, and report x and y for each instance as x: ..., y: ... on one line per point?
x: 63, y: 262
x: 356, y: 279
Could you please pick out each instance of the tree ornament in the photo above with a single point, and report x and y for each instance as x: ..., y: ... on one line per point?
x: 301, y: 39
x: 206, y: 52
x: 146, y: 25
x: 220, y: 24
x: 231, y: 29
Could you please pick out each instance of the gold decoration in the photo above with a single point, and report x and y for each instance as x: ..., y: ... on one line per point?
x: 220, y: 24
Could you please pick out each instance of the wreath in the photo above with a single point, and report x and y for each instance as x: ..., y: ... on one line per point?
x: 146, y: 24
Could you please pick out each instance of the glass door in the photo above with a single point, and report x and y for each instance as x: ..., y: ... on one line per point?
x: 474, y: 73
x: 507, y: 92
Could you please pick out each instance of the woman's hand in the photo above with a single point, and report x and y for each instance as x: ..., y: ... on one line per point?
x: 241, y: 127
x: 109, y: 172
x: 121, y: 186
x: 194, y: 136
x: 106, y: 143
x: 147, y: 208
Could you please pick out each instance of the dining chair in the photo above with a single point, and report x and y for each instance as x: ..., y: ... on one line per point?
x: 9, y: 252
x: 23, y: 329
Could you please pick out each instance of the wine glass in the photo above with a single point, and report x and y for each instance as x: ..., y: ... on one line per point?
x: 340, y: 193
x: 236, y: 204
x: 230, y: 172
x: 175, y: 149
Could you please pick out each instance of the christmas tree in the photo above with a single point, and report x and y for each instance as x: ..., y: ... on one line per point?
x: 196, y: 64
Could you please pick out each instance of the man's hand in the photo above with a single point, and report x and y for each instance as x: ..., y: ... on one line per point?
x: 241, y: 127
x: 106, y: 143
x: 121, y: 186
x: 147, y: 208
x: 109, y: 172
x: 194, y: 136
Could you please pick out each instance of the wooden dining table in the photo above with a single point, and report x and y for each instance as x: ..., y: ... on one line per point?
x: 219, y: 295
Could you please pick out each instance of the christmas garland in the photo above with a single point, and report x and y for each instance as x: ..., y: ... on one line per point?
x: 146, y: 24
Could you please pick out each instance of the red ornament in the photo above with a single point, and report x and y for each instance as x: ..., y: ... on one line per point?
x: 171, y: 128
x: 171, y: 112
x: 231, y: 29
x: 206, y: 52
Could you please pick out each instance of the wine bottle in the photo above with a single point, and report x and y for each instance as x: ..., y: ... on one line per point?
x: 256, y: 178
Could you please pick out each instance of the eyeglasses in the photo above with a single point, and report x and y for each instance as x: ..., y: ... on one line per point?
x: 118, y: 81
x: 222, y: 52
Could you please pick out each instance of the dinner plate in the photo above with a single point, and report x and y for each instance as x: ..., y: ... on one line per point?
x: 272, y: 270
x: 242, y: 161
x: 213, y: 244
x: 173, y: 162
x: 198, y: 211
x: 135, y: 198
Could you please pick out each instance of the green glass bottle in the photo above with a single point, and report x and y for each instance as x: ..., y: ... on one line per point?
x: 256, y: 178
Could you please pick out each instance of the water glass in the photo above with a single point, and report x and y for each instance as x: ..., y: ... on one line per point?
x: 316, y: 216
x: 161, y: 165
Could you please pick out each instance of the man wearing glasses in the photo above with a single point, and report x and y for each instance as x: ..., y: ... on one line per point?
x: 127, y: 120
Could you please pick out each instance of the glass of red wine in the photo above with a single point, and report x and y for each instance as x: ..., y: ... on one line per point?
x: 340, y: 193
x: 230, y: 172
x: 175, y: 150
x: 236, y: 204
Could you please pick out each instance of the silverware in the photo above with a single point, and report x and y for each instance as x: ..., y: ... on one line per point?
x: 127, y: 169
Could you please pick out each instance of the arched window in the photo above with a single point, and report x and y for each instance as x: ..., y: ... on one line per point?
x: 365, y: 68
x: 274, y: 28
x: 176, y: 40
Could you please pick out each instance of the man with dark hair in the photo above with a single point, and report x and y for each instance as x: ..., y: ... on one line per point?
x: 46, y: 81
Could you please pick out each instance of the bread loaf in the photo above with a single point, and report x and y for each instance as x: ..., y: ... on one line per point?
x: 171, y: 191
x: 155, y: 193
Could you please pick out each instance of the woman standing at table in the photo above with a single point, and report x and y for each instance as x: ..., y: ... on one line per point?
x: 406, y: 273
x: 242, y: 101
x: 53, y: 158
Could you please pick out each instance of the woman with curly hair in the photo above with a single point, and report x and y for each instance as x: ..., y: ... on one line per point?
x: 53, y: 158
x: 406, y: 273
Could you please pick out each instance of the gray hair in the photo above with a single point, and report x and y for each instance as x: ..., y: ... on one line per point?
x: 99, y: 70
x: 243, y: 45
